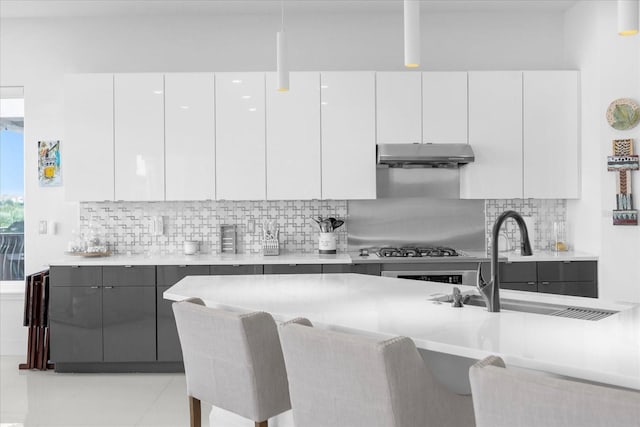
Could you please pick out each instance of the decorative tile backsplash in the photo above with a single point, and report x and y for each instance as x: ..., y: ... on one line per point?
x: 127, y: 226
x: 543, y: 214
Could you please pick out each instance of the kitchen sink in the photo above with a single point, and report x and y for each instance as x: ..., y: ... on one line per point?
x: 559, y: 310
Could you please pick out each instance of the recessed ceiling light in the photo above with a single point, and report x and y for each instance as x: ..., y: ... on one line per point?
x: 236, y: 81
x: 184, y: 107
x: 252, y: 109
x: 246, y: 96
x: 157, y: 92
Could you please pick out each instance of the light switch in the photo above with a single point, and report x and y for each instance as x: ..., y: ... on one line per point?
x: 42, y: 227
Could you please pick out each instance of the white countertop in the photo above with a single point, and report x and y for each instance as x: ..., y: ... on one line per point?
x: 203, y: 259
x: 548, y: 256
x: 293, y: 258
x: 606, y: 351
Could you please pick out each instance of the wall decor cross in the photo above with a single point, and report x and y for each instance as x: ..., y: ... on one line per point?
x: 623, y: 162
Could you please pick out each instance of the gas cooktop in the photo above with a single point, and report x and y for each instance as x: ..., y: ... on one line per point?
x: 438, y: 251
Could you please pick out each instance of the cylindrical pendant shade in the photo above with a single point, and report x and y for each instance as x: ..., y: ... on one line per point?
x: 411, y: 33
x: 283, y: 70
x: 628, y: 16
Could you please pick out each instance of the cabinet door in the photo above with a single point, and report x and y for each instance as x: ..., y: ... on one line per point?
x: 240, y: 136
x: 495, y: 133
x: 75, y: 276
x: 398, y: 98
x: 348, y: 135
x: 293, y: 138
x: 292, y: 269
x: 139, y: 137
x: 228, y: 270
x: 169, y: 349
x: 75, y: 320
x: 88, y: 143
x: 568, y: 271
x: 135, y: 275
x: 551, y: 162
x: 580, y: 289
x: 190, y: 136
x: 444, y: 107
x: 129, y: 323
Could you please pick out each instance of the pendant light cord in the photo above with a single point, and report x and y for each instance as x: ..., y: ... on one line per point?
x: 282, y: 13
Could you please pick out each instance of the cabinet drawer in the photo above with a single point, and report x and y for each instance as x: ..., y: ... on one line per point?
x: 569, y: 271
x: 579, y: 289
x: 235, y: 269
x: 75, y: 276
x: 337, y: 268
x: 370, y: 269
x: 518, y: 272
x: 520, y: 286
x: 169, y: 275
x: 292, y: 269
x: 135, y: 275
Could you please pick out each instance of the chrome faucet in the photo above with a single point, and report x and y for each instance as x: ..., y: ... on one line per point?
x: 490, y: 292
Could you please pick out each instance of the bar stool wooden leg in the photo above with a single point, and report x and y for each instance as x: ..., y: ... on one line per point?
x: 194, y: 412
x: 262, y: 423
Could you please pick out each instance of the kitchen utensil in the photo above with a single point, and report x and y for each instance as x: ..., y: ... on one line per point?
x: 270, y: 235
x: 190, y: 247
x: 337, y: 224
x: 327, y: 243
x: 228, y: 239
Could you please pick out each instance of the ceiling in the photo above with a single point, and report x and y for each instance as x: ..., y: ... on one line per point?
x: 99, y: 8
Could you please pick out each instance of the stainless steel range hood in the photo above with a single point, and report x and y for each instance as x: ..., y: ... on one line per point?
x: 425, y: 155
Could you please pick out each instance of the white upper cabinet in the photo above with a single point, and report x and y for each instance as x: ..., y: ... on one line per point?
x: 348, y: 135
x: 190, y: 136
x: 240, y: 136
x: 293, y: 138
x: 398, y: 107
x: 495, y: 134
x: 88, y: 144
x: 551, y: 134
x: 139, y: 136
x: 444, y: 107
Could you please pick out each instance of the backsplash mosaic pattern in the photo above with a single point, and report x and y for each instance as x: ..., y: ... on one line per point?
x: 127, y: 226
x: 543, y: 213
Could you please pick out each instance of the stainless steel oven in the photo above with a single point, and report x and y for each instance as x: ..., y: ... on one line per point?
x: 455, y: 277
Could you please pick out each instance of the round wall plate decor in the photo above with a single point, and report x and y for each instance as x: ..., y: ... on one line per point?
x: 623, y: 114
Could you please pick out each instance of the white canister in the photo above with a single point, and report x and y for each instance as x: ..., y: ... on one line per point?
x: 327, y: 243
x: 190, y: 247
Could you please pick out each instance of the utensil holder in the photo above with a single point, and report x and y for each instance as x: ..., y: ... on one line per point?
x: 228, y: 239
x: 270, y: 247
x: 327, y: 243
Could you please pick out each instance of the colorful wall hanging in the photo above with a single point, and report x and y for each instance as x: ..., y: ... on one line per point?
x: 623, y: 162
x: 623, y: 114
x: 49, y: 172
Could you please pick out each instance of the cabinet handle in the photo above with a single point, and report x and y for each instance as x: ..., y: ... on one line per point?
x: 108, y: 287
x: 236, y: 265
x: 74, y: 266
x: 128, y: 266
x: 544, y: 283
x: 566, y: 262
x: 95, y: 287
x: 292, y: 265
x: 182, y: 266
x: 531, y: 283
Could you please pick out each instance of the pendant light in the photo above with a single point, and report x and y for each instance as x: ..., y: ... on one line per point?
x: 281, y: 56
x: 628, y: 16
x: 411, y: 33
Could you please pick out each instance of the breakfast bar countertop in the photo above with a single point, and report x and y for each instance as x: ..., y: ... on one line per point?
x: 605, y: 351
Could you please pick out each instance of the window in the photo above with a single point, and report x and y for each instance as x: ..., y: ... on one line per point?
x: 11, y: 184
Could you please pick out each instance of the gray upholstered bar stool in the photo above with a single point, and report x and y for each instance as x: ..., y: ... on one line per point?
x: 232, y: 361
x: 508, y: 398
x: 346, y: 380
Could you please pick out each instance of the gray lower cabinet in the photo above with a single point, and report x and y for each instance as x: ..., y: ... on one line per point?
x: 129, y: 313
x: 577, y: 278
x: 129, y: 323
x: 75, y: 322
x: 167, y: 335
x: 292, y: 268
x: 75, y: 314
x: 371, y: 269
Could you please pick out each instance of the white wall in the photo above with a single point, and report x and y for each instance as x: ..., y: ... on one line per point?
x: 610, y: 69
x: 36, y: 53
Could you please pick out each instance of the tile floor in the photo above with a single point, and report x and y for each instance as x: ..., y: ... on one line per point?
x: 49, y: 399
x: 39, y: 399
